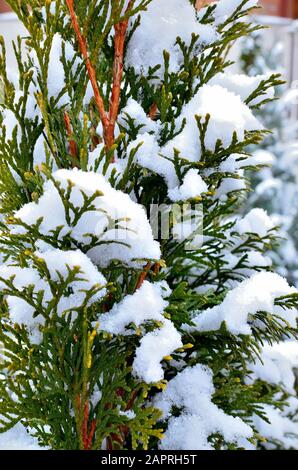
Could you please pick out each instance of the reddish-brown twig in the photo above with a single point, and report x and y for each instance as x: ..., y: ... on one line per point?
x: 108, y: 119
x: 87, y: 433
x: 91, y: 434
x: 143, y: 276
x: 91, y: 71
x: 153, y: 111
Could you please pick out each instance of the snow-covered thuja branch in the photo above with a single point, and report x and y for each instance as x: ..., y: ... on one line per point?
x: 115, y: 336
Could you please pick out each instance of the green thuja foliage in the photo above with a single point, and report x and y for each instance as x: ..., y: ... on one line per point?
x: 70, y: 383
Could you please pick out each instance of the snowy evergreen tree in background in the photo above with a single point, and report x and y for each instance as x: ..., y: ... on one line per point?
x: 111, y: 338
x: 275, y: 188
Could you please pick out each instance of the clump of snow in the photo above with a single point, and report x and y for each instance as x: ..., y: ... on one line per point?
x: 148, y: 156
x: 274, y: 368
x: 256, y: 221
x: 130, y: 414
x: 146, y: 304
x: 52, y: 10
x: 56, y: 74
x: 160, y: 26
x: 58, y: 264
x: 262, y: 157
x: 252, y: 259
x: 188, y: 225
x: 118, y: 226
x: 134, y: 111
x: 21, y: 311
x: 10, y: 121
x: 243, y: 86
x: 228, y: 114
x: 229, y: 185
x: 255, y: 258
x: 191, y: 392
x: 236, y: 161
x: 231, y: 164
x: 17, y: 438
x: 154, y: 346
x: 56, y: 79
x: 253, y: 295
x: 193, y: 186
x: 32, y: 110
x: 289, y: 350
x: 39, y: 152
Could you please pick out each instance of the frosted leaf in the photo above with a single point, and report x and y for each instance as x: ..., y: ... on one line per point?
x: 193, y: 186
x: 154, y: 346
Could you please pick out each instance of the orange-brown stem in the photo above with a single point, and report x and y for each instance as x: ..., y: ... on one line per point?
x: 87, y: 434
x: 155, y: 267
x: 143, y: 276
x: 109, y: 118
x: 91, y: 434
x: 153, y: 111
x: 90, y: 69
